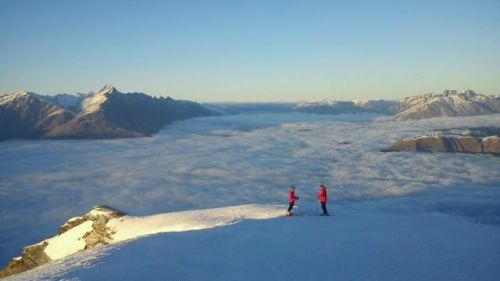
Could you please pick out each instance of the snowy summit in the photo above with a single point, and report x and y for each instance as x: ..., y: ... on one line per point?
x: 449, y: 103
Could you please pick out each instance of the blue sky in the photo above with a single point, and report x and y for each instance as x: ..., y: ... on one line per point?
x: 251, y: 50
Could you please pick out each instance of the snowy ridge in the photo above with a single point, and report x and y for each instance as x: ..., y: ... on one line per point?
x: 449, y: 103
x: 95, y: 100
x: 4, y: 99
x: 334, y: 107
x: 317, y: 103
x: 103, y: 225
x: 133, y: 227
x: 68, y: 101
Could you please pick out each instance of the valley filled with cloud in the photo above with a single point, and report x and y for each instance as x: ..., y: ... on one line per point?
x: 237, y: 159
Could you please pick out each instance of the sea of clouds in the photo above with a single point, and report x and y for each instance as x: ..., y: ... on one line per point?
x: 228, y: 160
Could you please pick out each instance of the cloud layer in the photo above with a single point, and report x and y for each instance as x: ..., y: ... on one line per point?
x: 220, y: 161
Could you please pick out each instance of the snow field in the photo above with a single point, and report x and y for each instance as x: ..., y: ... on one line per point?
x: 350, y: 245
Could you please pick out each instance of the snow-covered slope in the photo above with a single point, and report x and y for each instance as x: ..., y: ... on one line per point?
x: 350, y: 245
x: 381, y: 106
x: 94, y: 101
x: 337, y: 107
x: 103, y: 225
x: 449, y: 103
x: 67, y: 101
x: 132, y: 227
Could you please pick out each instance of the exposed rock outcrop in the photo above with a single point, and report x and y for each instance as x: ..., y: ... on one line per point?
x: 467, y: 144
x: 31, y: 257
x: 97, y: 233
x: 491, y: 144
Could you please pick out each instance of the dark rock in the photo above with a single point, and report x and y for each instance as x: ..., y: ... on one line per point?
x: 27, y: 116
x: 70, y: 224
x: 32, y: 256
x: 469, y: 145
x: 491, y: 144
x: 450, y: 144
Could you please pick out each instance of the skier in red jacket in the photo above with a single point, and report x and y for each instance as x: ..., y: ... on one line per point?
x: 322, y: 199
x: 291, y: 200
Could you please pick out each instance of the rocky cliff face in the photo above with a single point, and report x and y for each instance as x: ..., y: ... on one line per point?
x: 449, y: 103
x: 106, y: 113
x: 25, y: 115
x: 90, y: 230
x: 466, y: 144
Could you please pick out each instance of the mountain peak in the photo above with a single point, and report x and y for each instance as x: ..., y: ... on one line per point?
x: 14, y: 96
x: 107, y: 89
x: 448, y: 103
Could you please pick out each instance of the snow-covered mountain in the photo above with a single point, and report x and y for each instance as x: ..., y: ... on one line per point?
x: 250, y: 108
x: 380, y: 106
x: 449, y: 103
x: 27, y: 115
x: 337, y: 107
x: 106, y: 113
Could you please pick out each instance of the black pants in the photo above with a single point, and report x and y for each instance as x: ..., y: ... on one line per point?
x: 323, y: 206
x: 290, y: 206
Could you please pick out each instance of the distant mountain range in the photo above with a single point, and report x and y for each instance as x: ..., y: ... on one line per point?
x: 106, y: 113
x: 449, y: 103
x: 338, y: 107
x: 229, y: 108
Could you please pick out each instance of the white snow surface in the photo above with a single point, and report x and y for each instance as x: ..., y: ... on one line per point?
x: 322, y: 106
x: 350, y: 245
x: 67, y: 101
x: 314, y: 103
x: 4, y: 99
x: 68, y: 243
x: 93, y: 102
x: 130, y: 227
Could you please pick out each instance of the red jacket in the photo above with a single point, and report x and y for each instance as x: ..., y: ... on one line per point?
x: 322, y: 194
x: 291, y: 196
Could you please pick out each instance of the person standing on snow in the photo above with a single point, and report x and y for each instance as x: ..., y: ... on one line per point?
x: 322, y: 199
x: 291, y: 200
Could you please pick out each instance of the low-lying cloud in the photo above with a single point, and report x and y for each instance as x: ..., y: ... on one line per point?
x: 227, y: 160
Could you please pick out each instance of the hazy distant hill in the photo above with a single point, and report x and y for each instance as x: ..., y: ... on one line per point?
x: 449, y: 103
x: 106, y: 113
x: 250, y: 108
x: 337, y: 107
